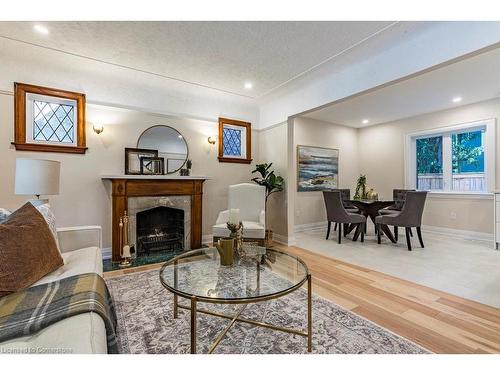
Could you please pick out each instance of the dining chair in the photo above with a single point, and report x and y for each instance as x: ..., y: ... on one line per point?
x: 409, y: 217
x: 399, y: 197
x: 349, y: 207
x: 336, y: 213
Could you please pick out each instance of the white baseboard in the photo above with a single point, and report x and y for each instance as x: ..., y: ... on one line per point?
x: 106, y: 253
x: 284, y: 240
x: 206, y: 239
x: 310, y: 226
x: 459, y: 233
x: 455, y: 233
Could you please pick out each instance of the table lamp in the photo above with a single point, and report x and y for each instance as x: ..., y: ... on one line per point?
x: 37, y: 177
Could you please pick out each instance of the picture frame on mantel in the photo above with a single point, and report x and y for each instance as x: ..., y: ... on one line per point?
x: 235, y: 141
x: 133, y: 159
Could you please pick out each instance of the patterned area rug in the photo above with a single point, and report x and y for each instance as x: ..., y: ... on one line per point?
x: 146, y: 324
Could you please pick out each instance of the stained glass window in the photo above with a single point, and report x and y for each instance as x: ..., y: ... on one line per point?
x: 235, y: 140
x: 232, y: 142
x: 53, y: 122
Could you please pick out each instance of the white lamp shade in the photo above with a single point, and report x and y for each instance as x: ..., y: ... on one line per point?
x: 37, y: 177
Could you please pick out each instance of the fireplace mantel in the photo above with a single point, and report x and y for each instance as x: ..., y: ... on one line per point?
x: 126, y: 186
x: 151, y: 177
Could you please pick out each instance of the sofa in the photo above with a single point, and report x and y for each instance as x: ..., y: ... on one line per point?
x: 85, y: 333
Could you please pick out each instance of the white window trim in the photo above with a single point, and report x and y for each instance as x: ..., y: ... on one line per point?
x: 30, y: 97
x: 489, y: 157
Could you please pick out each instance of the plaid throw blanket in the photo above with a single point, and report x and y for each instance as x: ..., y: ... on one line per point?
x: 29, y: 311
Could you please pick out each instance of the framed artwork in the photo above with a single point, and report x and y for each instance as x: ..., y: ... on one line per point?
x: 133, y: 159
x: 49, y: 120
x: 173, y: 165
x: 152, y: 165
x: 235, y: 141
x: 317, y: 168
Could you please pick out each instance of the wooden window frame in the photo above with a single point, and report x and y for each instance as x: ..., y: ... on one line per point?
x: 20, y: 92
x: 248, y: 128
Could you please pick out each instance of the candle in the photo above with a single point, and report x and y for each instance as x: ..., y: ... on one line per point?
x: 234, y: 216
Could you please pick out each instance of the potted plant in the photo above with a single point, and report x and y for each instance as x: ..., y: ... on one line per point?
x: 360, y: 188
x: 187, y: 171
x: 273, y: 184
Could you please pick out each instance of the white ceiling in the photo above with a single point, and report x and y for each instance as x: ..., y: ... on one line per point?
x: 474, y: 79
x: 221, y: 55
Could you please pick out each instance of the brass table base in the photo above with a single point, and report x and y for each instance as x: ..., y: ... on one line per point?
x: 194, y: 310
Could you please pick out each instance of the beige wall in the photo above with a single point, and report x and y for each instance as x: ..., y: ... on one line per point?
x: 381, y: 158
x: 309, y: 206
x: 84, y: 198
x: 273, y: 149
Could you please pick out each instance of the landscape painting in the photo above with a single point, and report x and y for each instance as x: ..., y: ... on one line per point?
x: 318, y: 168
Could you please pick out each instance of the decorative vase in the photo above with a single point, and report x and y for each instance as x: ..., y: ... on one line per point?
x: 372, y: 195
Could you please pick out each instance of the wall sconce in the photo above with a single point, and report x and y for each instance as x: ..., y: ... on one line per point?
x: 212, y: 140
x: 98, y: 129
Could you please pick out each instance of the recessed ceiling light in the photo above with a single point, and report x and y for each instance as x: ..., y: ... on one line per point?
x: 365, y: 121
x: 179, y: 136
x: 457, y: 99
x: 41, y: 29
x: 248, y: 85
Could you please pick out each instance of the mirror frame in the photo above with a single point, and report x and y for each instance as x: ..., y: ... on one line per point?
x: 165, y: 162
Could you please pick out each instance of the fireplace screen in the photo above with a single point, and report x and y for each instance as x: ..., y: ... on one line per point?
x: 160, y: 229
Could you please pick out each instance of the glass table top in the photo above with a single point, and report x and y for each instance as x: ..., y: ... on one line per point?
x: 199, y: 273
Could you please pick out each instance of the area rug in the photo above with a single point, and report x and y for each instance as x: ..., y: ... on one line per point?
x: 146, y: 325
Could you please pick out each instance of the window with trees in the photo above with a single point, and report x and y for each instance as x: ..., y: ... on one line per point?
x: 453, y: 159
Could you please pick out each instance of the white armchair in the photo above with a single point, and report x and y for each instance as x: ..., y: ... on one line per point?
x: 250, y: 199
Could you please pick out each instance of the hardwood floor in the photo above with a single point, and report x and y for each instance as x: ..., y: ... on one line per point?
x: 436, y: 320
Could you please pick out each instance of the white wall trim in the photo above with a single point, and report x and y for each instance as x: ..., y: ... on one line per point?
x: 310, y: 226
x: 458, y: 233
x: 106, y: 253
x: 459, y: 195
x: 449, y: 232
x: 206, y: 239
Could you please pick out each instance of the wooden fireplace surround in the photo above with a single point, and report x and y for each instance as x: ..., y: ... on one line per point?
x: 124, y: 188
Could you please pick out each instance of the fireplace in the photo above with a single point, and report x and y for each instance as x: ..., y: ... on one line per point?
x: 159, y: 229
x: 134, y: 193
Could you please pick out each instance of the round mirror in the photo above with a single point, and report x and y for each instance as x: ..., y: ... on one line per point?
x: 169, y: 143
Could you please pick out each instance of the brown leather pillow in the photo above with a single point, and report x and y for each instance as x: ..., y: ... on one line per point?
x: 28, y: 250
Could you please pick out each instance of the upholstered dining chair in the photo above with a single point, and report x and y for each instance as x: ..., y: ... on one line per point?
x: 346, y: 197
x: 410, y: 216
x: 336, y: 213
x: 250, y: 200
x: 399, y: 197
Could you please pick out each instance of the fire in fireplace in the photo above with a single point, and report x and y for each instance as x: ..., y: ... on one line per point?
x: 159, y: 229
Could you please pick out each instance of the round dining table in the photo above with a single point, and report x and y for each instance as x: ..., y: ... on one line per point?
x: 370, y: 208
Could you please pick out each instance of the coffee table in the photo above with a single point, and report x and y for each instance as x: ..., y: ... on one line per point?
x: 198, y: 276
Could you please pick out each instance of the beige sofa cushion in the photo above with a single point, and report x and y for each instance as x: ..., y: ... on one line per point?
x: 76, y: 262
x: 79, y: 334
x: 84, y: 333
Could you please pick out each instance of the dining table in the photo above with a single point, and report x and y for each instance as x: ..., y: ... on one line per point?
x: 370, y: 208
